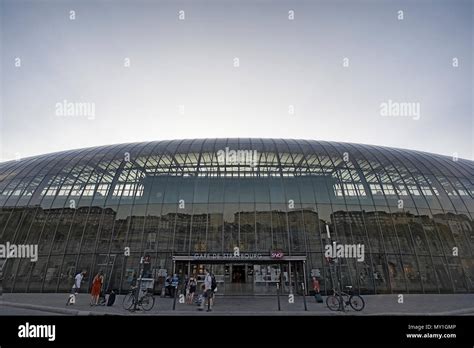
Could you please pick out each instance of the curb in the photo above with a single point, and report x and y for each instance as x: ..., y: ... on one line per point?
x: 75, y: 312
x: 45, y: 308
x: 446, y: 313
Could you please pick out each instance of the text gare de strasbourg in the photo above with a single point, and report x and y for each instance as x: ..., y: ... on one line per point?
x: 237, y: 255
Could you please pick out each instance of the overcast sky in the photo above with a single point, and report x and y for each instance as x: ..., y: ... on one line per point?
x: 236, y: 69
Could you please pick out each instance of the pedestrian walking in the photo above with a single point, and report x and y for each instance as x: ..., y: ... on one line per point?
x: 96, y: 288
x: 201, y: 300
x: 76, y: 287
x: 317, y: 290
x: 174, y: 284
x: 168, y: 286
x: 191, y: 289
x: 209, y: 285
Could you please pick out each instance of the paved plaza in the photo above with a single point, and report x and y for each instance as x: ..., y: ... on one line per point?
x: 413, y: 304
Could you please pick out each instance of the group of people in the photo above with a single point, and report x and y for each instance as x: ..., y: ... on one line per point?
x: 190, y: 285
x: 96, y: 289
x: 171, y: 284
x: 208, y: 288
x: 206, y: 298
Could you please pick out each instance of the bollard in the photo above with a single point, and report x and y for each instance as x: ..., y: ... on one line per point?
x: 304, y: 297
x: 174, y: 299
x: 209, y: 299
x: 2, y: 264
x: 278, y: 296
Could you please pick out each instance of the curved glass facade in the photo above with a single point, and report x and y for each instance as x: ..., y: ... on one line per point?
x: 412, y: 211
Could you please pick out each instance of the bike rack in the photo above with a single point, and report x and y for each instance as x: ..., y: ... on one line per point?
x: 174, y: 299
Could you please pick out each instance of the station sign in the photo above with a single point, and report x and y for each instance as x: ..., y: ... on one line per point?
x: 277, y: 254
x: 227, y: 256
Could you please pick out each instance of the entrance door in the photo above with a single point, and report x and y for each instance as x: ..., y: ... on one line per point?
x: 291, y: 277
x: 238, y: 283
x: 238, y: 274
x: 248, y: 278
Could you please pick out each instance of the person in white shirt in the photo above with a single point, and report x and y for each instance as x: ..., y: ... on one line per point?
x: 78, y: 281
x: 75, y: 288
x: 208, y: 290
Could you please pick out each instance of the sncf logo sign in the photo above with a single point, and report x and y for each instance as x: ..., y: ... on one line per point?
x: 277, y: 254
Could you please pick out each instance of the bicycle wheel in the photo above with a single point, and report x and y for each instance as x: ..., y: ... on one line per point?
x: 357, y: 303
x: 128, y: 301
x: 147, y: 302
x: 333, y: 303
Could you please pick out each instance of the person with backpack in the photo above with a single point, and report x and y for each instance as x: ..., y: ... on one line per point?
x: 168, y: 286
x: 174, y: 285
x: 111, y: 298
x: 317, y: 290
x: 213, y: 287
x: 210, y: 285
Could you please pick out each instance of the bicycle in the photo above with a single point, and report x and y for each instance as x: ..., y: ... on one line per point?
x: 355, y: 301
x: 130, y: 302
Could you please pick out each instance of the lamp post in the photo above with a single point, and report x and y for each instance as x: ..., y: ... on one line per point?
x: 336, y: 262
x: 137, y: 291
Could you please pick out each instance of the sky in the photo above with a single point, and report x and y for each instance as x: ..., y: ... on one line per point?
x: 125, y: 71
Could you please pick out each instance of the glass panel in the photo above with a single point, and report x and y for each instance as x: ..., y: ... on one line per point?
x: 371, y: 223
x: 413, y: 276
x: 381, y: 273
x: 264, y: 227
x: 199, y: 228
x: 167, y: 227
x: 22, y: 274
x: 428, y: 274
x: 444, y: 279
x: 395, y: 271
x: 68, y: 272
x: 215, y: 229
x: 457, y: 274
x: 312, y: 230
x: 247, y: 227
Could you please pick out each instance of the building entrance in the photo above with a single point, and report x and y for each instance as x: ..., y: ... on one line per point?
x: 238, y: 273
x: 246, y: 278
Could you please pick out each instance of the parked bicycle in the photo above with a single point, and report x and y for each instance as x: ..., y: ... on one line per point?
x: 146, y: 301
x: 348, y: 299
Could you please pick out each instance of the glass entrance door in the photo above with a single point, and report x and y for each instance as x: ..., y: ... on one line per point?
x: 247, y: 279
x: 239, y: 280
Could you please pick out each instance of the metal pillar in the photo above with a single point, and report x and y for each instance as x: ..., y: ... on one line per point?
x: 2, y: 265
x: 289, y: 277
x: 304, y: 278
x: 304, y: 297
x: 278, y: 296
x: 295, y: 274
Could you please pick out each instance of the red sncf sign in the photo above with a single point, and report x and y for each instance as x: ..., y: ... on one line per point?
x: 277, y: 254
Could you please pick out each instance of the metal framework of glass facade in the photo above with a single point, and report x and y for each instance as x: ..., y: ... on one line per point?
x: 83, y: 207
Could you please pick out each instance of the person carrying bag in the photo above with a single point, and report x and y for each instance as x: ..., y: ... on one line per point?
x: 317, y: 288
